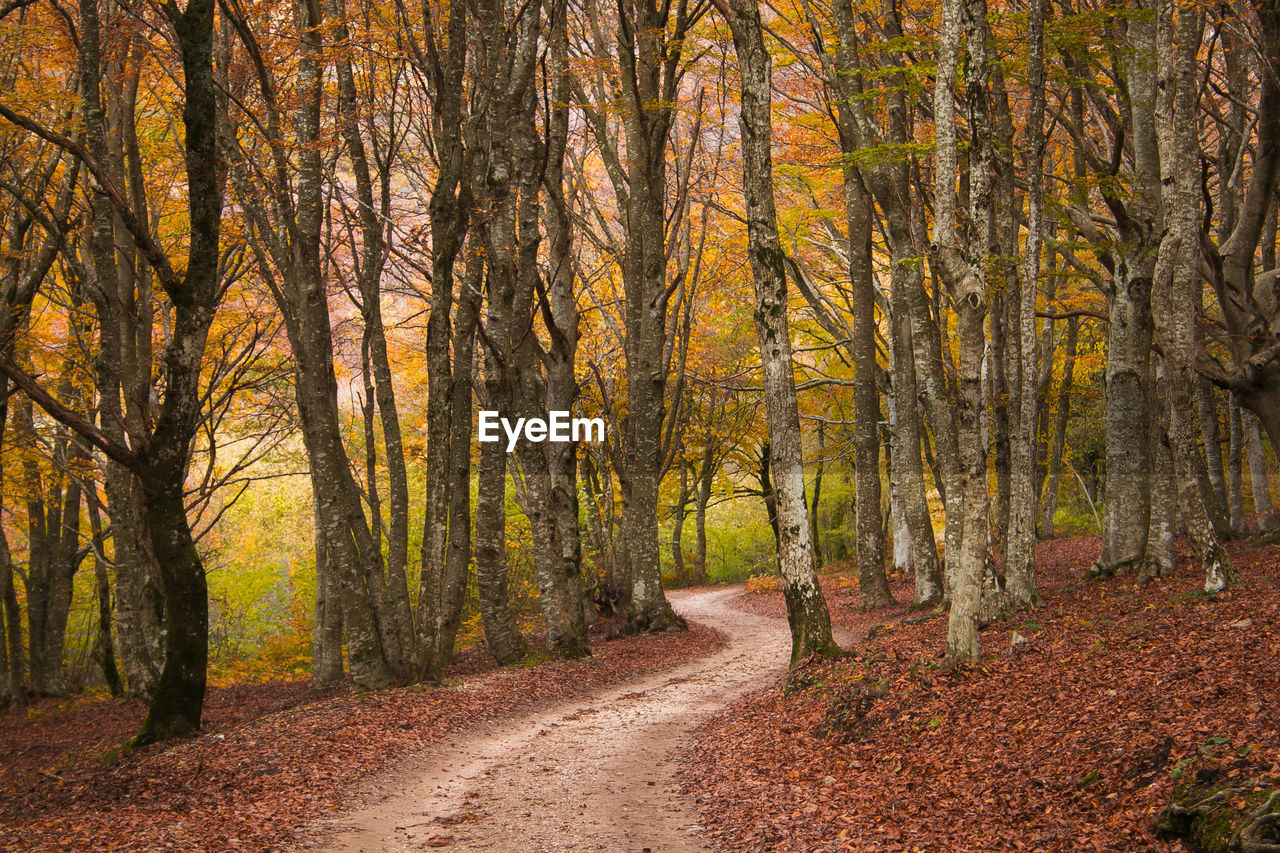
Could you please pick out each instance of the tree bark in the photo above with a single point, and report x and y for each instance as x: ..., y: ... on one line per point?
x: 1020, y: 562
x: 806, y: 607
x: 1259, y: 480
x: 1235, y: 467
x: 873, y: 586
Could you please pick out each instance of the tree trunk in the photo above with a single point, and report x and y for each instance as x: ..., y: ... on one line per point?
x: 1258, y: 478
x: 873, y: 587
x: 1215, y: 485
x: 806, y: 606
x: 1053, y: 480
x: 679, y: 512
x: 964, y: 276
x: 1177, y: 288
x: 706, y: 474
x: 1161, y: 559
x: 440, y: 608
x: 326, y: 645
x: 1235, y: 466
x: 1020, y: 561
x: 102, y: 589
x: 816, y: 503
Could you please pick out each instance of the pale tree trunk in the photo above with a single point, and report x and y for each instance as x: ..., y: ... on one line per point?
x: 1259, y: 480
x: 806, y: 606
x: 1215, y: 481
x: 1128, y: 484
x: 1160, y: 557
x: 964, y: 274
x: 1177, y: 286
x: 930, y: 359
x: 1020, y: 562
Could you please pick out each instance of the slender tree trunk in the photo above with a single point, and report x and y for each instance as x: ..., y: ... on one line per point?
x: 1161, y: 558
x: 706, y: 474
x: 1053, y: 480
x: 815, y: 504
x: 438, y: 623
x: 679, y: 512
x: 806, y: 607
x: 873, y: 587
x: 1020, y: 562
x: 102, y: 589
x: 1215, y: 480
x: 1258, y: 478
x: 1235, y: 465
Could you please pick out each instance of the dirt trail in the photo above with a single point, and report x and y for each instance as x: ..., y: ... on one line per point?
x: 592, y: 774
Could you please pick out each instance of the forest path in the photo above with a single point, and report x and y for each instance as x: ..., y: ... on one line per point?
x: 592, y: 774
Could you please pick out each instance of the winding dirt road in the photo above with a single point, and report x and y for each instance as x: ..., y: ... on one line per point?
x: 592, y: 774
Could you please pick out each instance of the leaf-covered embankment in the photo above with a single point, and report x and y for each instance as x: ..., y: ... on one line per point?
x: 1072, y: 740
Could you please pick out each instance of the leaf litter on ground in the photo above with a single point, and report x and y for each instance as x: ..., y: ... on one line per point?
x: 1073, y: 739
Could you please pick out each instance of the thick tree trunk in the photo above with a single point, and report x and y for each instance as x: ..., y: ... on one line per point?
x: 326, y: 643
x: 806, y: 606
x: 1128, y: 484
x: 964, y: 277
x: 1177, y: 287
x: 650, y: 44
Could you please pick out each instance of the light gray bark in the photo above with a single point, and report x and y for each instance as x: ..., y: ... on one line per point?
x: 1177, y: 289
x: 1259, y: 480
x: 1020, y: 562
x: 806, y: 607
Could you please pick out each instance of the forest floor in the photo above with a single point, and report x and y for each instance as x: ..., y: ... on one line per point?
x: 1073, y: 740
x: 272, y: 759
